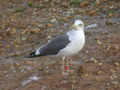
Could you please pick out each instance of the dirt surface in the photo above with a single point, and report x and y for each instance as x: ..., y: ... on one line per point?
x: 25, y: 25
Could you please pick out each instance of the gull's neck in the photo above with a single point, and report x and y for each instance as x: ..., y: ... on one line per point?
x: 80, y: 29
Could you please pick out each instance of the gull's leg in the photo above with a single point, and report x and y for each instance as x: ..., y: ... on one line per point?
x: 66, y: 65
x: 63, y: 65
x: 69, y: 65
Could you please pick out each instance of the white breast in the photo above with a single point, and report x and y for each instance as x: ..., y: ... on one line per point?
x: 77, y: 39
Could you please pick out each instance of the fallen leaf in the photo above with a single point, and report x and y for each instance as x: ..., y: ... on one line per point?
x: 97, y: 2
x: 84, y: 3
x: 30, y: 4
x: 92, y: 12
x: 117, y: 64
x: 35, y: 31
x: 23, y: 38
x: 110, y: 14
x: 75, y: 1
x: 108, y: 22
x: 99, y: 42
x: 19, y: 10
x: 12, y: 31
x: 86, y: 75
x: 100, y: 64
x: 112, y: 70
x: 100, y: 72
x: 49, y: 25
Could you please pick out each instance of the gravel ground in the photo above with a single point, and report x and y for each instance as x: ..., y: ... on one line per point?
x: 26, y: 25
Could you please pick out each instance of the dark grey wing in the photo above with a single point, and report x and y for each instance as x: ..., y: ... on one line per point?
x: 53, y: 47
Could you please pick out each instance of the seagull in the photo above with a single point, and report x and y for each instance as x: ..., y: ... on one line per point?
x: 65, y: 45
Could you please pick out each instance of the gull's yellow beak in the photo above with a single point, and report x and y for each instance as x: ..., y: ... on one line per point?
x: 74, y: 26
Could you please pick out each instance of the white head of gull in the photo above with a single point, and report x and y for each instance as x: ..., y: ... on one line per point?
x: 78, y: 24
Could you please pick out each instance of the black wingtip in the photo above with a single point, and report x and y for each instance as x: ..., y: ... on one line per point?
x: 31, y: 55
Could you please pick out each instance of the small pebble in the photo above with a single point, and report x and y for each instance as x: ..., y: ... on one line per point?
x: 100, y: 64
x: 86, y: 75
x: 53, y: 20
x: 112, y: 70
x: 117, y: 64
x: 99, y: 72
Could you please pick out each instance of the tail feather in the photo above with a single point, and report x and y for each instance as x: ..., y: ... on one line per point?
x: 33, y: 54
